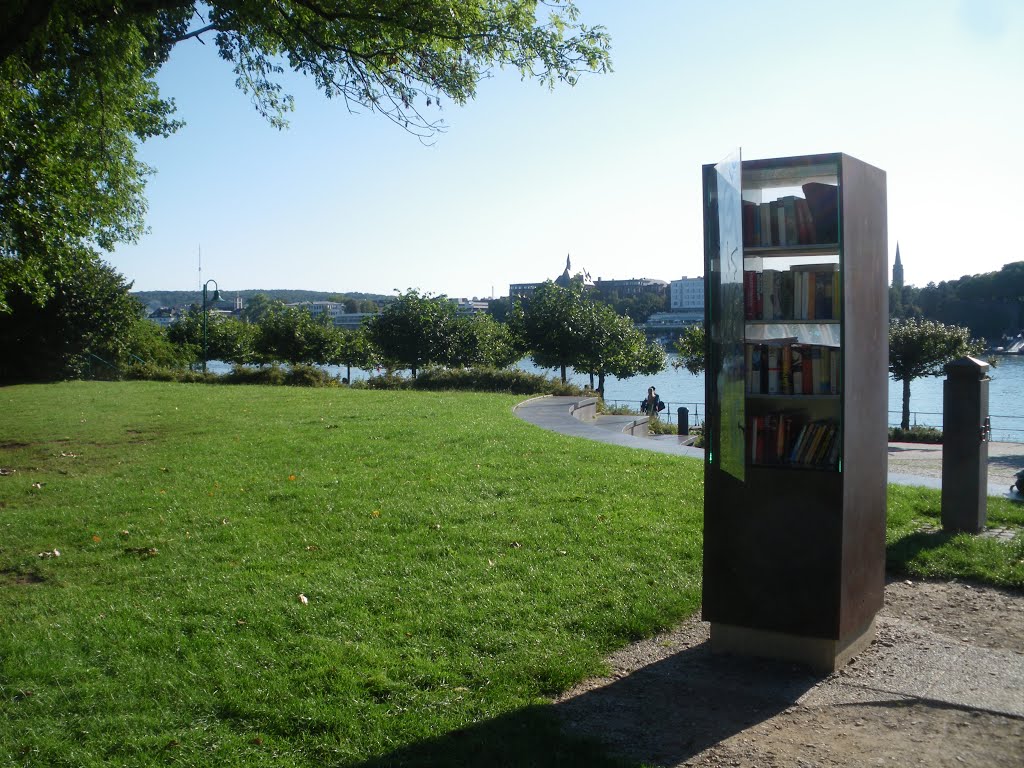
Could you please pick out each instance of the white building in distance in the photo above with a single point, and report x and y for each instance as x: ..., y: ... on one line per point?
x: 687, y: 293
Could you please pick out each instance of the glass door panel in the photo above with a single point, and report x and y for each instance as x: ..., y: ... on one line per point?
x: 726, y: 333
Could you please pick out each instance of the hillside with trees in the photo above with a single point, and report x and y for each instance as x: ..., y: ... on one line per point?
x: 990, y: 304
x: 359, y: 302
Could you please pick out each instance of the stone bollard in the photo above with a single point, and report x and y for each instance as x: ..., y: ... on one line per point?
x: 965, y: 434
x: 684, y: 421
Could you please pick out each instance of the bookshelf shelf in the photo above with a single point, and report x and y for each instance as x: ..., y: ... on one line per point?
x: 790, y: 397
x: 796, y: 459
x: 777, y: 251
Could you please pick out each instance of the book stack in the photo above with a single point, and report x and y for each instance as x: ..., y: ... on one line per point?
x: 815, y: 291
x: 817, y: 445
x: 788, y: 439
x: 792, y: 220
x: 791, y: 369
x: 803, y: 292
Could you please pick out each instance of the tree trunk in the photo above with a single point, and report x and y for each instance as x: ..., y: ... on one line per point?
x: 591, y: 381
x: 905, y: 423
x: 600, y: 384
x: 563, y: 373
x: 348, y: 374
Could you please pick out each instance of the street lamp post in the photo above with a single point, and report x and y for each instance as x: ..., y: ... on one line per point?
x: 216, y: 297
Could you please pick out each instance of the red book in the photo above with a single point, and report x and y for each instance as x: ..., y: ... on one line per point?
x: 808, y: 388
x: 750, y: 295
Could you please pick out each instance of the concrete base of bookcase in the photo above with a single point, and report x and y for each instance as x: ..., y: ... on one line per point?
x: 821, y: 654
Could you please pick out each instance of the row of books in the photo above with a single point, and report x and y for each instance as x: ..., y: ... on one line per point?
x: 792, y: 220
x: 803, y: 292
x: 783, y: 222
x: 788, y: 439
x: 791, y: 369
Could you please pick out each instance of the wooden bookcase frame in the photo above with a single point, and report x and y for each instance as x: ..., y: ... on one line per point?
x: 794, y: 555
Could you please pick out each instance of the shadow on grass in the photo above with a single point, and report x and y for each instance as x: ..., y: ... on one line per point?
x: 661, y: 714
x: 907, y: 548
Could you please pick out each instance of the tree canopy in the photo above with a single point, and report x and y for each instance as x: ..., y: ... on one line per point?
x: 78, y: 91
x: 88, y: 322
x: 922, y: 348
x: 563, y: 326
x: 553, y: 324
x: 615, y: 346
x: 691, y: 346
x: 415, y: 330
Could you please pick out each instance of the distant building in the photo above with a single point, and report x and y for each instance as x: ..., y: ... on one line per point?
x: 352, y: 321
x: 164, y: 316
x: 522, y: 290
x: 634, y: 286
x: 332, y: 309
x: 897, y: 271
x: 466, y: 307
x: 687, y: 293
x: 525, y: 290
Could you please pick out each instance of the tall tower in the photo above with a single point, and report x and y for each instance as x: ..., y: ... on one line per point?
x: 897, y: 270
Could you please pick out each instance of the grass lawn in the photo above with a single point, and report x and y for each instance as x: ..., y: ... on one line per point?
x: 308, y: 577
x: 459, y: 567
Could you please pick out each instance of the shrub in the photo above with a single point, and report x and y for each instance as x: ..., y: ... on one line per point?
x: 273, y: 375
x: 152, y: 372
x: 309, y: 376
x: 276, y: 375
x: 658, y: 427
x: 493, y: 380
x: 916, y: 434
x: 384, y: 381
x: 617, y: 410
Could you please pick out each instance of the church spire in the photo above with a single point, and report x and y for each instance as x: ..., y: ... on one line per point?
x: 897, y: 270
x: 568, y: 264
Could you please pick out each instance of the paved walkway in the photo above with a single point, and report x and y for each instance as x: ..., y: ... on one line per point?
x: 909, y: 463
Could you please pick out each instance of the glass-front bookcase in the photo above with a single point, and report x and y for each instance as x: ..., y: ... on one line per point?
x: 795, y: 438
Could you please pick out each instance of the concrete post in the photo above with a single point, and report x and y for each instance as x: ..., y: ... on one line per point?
x: 965, y: 434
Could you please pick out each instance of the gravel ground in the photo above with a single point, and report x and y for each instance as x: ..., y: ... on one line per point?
x: 669, y: 702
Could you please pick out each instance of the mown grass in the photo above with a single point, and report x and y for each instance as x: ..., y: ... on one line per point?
x: 460, y: 567
x: 916, y: 545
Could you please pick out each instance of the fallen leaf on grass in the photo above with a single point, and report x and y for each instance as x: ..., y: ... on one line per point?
x: 291, y: 477
x: 143, y: 551
x: 515, y: 545
x: 50, y: 553
x: 38, y: 486
x: 4, y: 472
x: 96, y: 538
x: 312, y: 548
x: 68, y: 455
x: 303, y: 599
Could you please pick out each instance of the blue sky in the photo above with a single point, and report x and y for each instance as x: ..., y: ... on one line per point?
x: 609, y: 171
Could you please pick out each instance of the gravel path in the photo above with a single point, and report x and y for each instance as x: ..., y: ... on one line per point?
x: 942, y: 685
